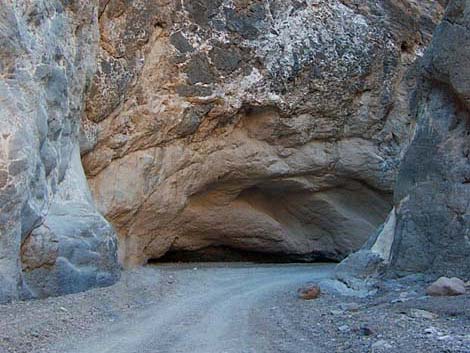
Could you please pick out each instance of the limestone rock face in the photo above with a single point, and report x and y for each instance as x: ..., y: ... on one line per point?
x: 429, y: 229
x: 272, y: 126
x: 52, y: 239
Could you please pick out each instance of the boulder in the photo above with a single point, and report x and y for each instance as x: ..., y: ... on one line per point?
x: 75, y: 248
x: 433, y: 188
x: 445, y: 286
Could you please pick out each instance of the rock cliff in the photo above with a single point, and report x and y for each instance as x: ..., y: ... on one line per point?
x: 52, y: 239
x: 429, y: 229
x: 268, y: 126
x: 289, y: 128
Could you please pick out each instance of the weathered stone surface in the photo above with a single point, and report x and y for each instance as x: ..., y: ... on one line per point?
x: 430, y: 231
x: 446, y: 287
x: 46, y: 61
x: 75, y: 248
x: 272, y: 126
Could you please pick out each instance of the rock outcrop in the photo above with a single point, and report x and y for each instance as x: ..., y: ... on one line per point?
x: 52, y: 239
x: 429, y: 228
x: 270, y: 126
x: 289, y: 128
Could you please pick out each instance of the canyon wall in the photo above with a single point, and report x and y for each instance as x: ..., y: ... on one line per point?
x: 269, y: 126
x: 52, y: 239
x: 429, y: 229
x: 289, y: 128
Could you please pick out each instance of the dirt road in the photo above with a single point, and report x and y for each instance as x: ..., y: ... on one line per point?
x: 210, y: 311
x: 235, y: 308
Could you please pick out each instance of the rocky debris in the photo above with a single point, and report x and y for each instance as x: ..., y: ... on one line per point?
x: 428, y: 229
x: 46, y: 62
x: 392, y: 325
x: 445, y: 286
x: 267, y: 126
x: 356, y: 274
x: 279, y: 322
x: 309, y: 292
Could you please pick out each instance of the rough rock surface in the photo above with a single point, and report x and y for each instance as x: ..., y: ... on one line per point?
x: 52, y: 239
x: 272, y: 126
x: 446, y: 287
x: 429, y: 228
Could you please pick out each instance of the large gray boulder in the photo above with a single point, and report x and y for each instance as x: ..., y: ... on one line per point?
x: 429, y: 229
x: 47, y: 59
x: 433, y: 188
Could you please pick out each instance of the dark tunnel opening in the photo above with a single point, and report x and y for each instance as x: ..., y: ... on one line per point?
x: 228, y: 254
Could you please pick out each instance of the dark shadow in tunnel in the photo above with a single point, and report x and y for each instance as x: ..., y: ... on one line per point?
x: 226, y: 254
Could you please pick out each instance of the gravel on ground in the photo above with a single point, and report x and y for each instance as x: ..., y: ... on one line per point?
x: 235, y: 308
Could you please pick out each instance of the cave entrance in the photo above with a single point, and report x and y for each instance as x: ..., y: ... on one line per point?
x: 281, y: 220
x: 227, y: 254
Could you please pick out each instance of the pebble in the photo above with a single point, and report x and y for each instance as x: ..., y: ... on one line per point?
x: 398, y: 300
x: 422, y: 314
x: 350, y: 306
x: 432, y: 331
x: 444, y: 338
x: 381, y: 345
x: 309, y: 292
x: 366, y: 331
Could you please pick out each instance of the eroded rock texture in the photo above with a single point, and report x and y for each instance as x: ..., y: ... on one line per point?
x: 272, y: 126
x: 52, y: 239
x: 429, y: 229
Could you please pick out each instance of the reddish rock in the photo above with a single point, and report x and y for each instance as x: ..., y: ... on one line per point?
x: 310, y: 292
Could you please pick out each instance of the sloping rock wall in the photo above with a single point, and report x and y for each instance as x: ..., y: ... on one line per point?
x: 272, y: 126
x: 429, y: 229
x: 47, y: 59
x: 433, y: 186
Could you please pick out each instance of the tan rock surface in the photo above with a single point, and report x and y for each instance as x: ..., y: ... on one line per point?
x: 261, y: 126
